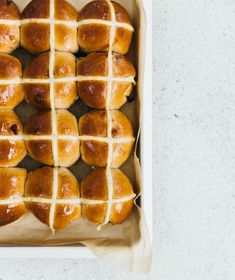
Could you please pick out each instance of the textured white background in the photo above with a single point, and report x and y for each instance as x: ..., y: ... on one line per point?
x: 194, y: 152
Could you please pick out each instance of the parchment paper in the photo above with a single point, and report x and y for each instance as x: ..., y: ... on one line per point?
x: 126, y: 245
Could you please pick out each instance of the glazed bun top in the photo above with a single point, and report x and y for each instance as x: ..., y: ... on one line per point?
x: 41, y: 9
x: 9, y: 10
x: 97, y: 186
x: 97, y: 20
x: 9, y: 31
x: 47, y: 146
x: 65, y: 91
x: 12, y: 182
x: 53, y: 191
x: 64, y: 66
x: 36, y: 28
x: 10, y: 67
x: 40, y: 124
x: 99, y: 137
x: 96, y: 64
x: 93, y: 78
x: 11, y: 94
x: 36, y: 9
x: 12, y: 147
x: 95, y: 123
x: 40, y: 184
x: 12, y: 206
x: 100, y: 9
x: 10, y: 124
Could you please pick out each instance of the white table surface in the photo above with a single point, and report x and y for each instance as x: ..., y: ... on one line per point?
x: 194, y: 136
x: 194, y: 152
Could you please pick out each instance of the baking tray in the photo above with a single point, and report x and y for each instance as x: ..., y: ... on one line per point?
x: 145, y: 50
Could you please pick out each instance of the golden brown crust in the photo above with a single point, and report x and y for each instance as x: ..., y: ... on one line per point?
x: 68, y: 185
x: 94, y: 93
x: 41, y: 150
x: 65, y: 11
x: 95, y: 212
x: 65, y: 65
x: 98, y: 9
x: 40, y: 210
x: 41, y: 9
x: 10, y: 67
x: 9, y: 34
x: 10, y: 94
x: 36, y: 9
x: 35, y: 37
x: 38, y: 95
x: 121, y: 14
x: 120, y: 93
x: 66, y: 38
x: 65, y: 93
x: 65, y: 214
x: 68, y: 152
x: 66, y: 123
x: 122, y: 67
x: 94, y: 64
x: 120, y: 212
x: 95, y: 37
x: 38, y: 68
x: 95, y: 124
x: 121, y: 153
x: 10, y: 123
x: 121, y: 126
x: 94, y: 186
x: 11, y: 152
x: 9, y: 38
x: 123, y: 36
x: 11, y: 186
x: 10, y: 213
x: 121, y: 184
x: 122, y: 40
x: 94, y: 153
x: 12, y: 182
x: 40, y: 183
x: 39, y: 124
x: 9, y: 10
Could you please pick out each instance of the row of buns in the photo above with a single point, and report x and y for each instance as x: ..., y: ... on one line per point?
x: 88, y: 136
x: 89, y: 28
x: 56, y: 198
x: 86, y: 78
